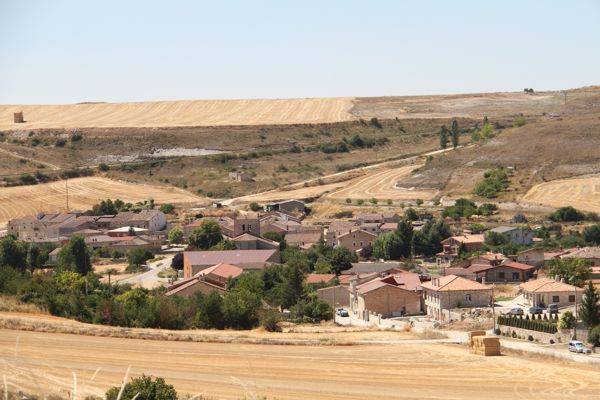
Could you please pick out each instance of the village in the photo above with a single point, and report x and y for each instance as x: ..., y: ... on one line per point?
x: 384, y: 269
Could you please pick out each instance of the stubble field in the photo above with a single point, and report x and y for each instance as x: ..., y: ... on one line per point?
x: 46, y: 362
x: 20, y: 201
x: 581, y: 193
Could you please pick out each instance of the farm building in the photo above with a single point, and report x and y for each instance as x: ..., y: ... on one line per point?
x: 241, y: 176
x: 287, y: 206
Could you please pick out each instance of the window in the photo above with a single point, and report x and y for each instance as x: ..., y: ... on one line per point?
x: 501, y: 275
x: 249, y: 227
x: 555, y: 299
x: 571, y: 298
x: 468, y: 297
x: 515, y: 276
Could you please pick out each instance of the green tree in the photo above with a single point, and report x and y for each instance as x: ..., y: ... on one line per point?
x: 224, y: 244
x: 254, y: 206
x: 175, y: 235
x: 341, y: 259
x: 567, y: 320
x: 443, y: 137
x: 589, y: 310
x: 387, y: 246
x: 495, y: 238
x: 143, y: 388
x: 594, y: 336
x: 410, y: 214
x: 574, y: 271
x: 405, y: 234
x: 591, y: 234
x: 137, y: 257
x: 455, y: 133
x: 33, y: 257
x: 167, y: 208
x: 206, y: 235
x: 75, y: 256
x: 13, y: 253
x: 241, y: 308
x: 567, y: 214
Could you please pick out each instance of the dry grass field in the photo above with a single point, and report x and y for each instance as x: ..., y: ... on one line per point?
x: 581, y: 193
x: 180, y: 113
x: 46, y: 363
x: 20, y: 201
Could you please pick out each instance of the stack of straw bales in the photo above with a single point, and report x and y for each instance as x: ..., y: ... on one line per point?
x: 18, y: 117
x: 472, y: 335
x: 486, y: 345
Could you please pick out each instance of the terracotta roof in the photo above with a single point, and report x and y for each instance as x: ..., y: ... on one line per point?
x: 547, y: 285
x: 235, y: 257
x: 451, y: 283
x: 368, y: 267
x: 492, y: 256
x: 371, y: 285
x: 585, y: 252
x: 518, y: 265
x: 389, y: 226
x: 319, y: 278
x: 303, y: 237
x: 467, y: 238
x: 405, y: 279
x: 246, y: 237
x: 223, y: 270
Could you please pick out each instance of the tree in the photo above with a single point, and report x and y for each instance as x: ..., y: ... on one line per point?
x: 342, y: 259
x: 454, y: 131
x: 387, y: 246
x: 254, y: 206
x: 567, y: 321
x: 13, y: 253
x: 591, y: 234
x: 177, y: 261
x: 167, y: 208
x: 75, y: 256
x: 495, y: 238
x: 410, y: 214
x: 206, y: 235
x: 567, y: 214
x: 594, y: 336
x: 240, y: 308
x: 224, y: 244
x: 137, y: 257
x: 574, y: 271
x: 33, y: 255
x: 589, y: 311
x: 443, y: 137
x: 175, y: 235
x: 405, y: 234
x: 143, y: 388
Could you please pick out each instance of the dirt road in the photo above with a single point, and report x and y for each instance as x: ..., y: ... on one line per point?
x: 44, y: 362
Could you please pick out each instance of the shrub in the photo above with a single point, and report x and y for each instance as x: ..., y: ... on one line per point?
x: 419, y: 202
x: 567, y: 320
x: 348, y: 201
x: 594, y: 336
x: 254, y: 206
x: 567, y: 214
x: 103, y: 167
x: 270, y: 321
x: 167, y: 208
x: 143, y: 388
x: 520, y: 121
x: 60, y: 143
x: 494, y: 182
x: 374, y: 200
x: 76, y: 137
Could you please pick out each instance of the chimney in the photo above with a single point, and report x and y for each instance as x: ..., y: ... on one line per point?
x: 435, y: 281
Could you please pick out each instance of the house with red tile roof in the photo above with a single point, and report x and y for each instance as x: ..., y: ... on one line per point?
x: 314, y: 279
x: 452, y: 245
x: 449, y: 292
x: 390, y: 296
x: 196, y: 261
x: 212, y: 279
x: 544, y: 291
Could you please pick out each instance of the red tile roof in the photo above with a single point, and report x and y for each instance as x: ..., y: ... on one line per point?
x: 319, y: 278
x: 451, y: 283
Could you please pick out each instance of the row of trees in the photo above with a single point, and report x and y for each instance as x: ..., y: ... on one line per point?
x: 453, y: 134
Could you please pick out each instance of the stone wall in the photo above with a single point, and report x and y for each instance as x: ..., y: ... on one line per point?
x: 562, y: 336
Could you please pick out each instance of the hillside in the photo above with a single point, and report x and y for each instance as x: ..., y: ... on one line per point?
x: 547, y: 147
x: 254, y: 112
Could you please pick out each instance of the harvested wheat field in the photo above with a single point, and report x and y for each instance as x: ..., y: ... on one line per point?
x: 19, y: 201
x: 180, y: 113
x: 46, y: 362
x: 382, y: 185
x: 581, y: 193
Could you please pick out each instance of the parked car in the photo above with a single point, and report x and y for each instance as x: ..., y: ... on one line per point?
x: 577, y: 347
x: 515, y: 311
x: 552, y: 308
x: 536, y: 310
x: 342, y: 312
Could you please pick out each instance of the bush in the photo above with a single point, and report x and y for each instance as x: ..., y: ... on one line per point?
x: 594, y: 336
x: 270, y: 321
x: 254, y: 206
x: 60, y: 143
x: 76, y: 137
x: 520, y: 121
x: 567, y: 214
x: 144, y: 388
x: 567, y: 320
x: 494, y: 182
x: 103, y: 167
x: 167, y: 208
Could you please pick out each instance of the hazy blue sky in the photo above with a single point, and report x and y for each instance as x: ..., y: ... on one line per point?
x: 71, y: 51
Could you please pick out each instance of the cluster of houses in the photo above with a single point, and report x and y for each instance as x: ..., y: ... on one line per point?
x: 121, y: 232
x: 383, y: 289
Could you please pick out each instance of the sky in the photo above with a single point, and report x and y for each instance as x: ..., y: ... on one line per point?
x: 54, y: 52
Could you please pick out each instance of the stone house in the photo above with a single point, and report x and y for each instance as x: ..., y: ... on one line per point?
x: 241, y: 176
x: 452, y: 245
x: 292, y: 206
x: 591, y: 254
x: 356, y: 240
x: 389, y: 297
x: 247, y: 241
x: 515, y: 234
x: 533, y: 257
x: 304, y: 239
x: 544, y: 291
x: 450, y: 292
x: 507, y: 272
x: 212, y: 279
x: 196, y: 261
